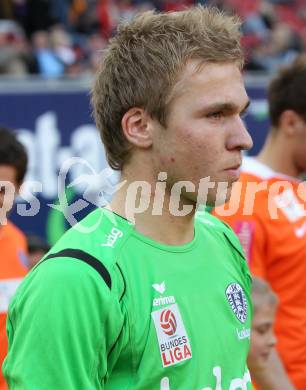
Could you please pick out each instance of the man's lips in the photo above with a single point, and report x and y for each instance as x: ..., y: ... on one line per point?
x: 233, y: 171
x: 234, y: 167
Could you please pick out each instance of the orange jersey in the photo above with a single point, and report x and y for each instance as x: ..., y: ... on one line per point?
x: 271, y: 225
x: 13, y: 267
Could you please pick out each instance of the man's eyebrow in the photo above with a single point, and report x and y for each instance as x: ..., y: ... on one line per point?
x: 230, y: 107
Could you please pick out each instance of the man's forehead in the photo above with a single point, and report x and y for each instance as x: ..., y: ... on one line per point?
x: 211, y: 76
x: 196, y: 70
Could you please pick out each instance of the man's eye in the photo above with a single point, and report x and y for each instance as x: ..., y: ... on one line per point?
x: 215, y: 115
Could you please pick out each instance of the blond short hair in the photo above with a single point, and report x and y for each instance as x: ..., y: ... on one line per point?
x: 144, y: 60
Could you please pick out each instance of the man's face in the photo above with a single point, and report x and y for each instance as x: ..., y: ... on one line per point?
x: 205, y: 133
x: 7, y: 191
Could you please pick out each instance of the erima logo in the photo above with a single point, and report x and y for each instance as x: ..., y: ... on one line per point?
x: 161, y: 288
x: 112, y: 237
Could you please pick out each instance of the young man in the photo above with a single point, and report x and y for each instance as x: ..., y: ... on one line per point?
x: 13, y: 266
x: 151, y: 298
x: 271, y: 222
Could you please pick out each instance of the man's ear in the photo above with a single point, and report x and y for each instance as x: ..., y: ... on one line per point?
x: 291, y: 122
x: 137, y: 127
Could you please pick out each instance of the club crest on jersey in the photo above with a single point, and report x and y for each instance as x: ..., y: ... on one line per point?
x: 174, y: 344
x: 237, y: 300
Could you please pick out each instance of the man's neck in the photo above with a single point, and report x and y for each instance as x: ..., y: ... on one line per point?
x: 165, y: 227
x: 276, y: 154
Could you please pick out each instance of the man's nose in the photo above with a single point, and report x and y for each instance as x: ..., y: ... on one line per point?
x: 239, y: 138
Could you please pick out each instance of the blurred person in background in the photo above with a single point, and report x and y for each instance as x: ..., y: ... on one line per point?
x: 273, y: 231
x: 281, y: 46
x: 262, y: 334
x: 48, y: 64
x: 37, y: 248
x: 274, y: 32
x: 61, y: 45
x: 13, y: 248
x: 14, y: 51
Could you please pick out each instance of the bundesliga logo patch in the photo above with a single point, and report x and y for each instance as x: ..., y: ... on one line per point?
x: 237, y: 300
x: 172, y: 338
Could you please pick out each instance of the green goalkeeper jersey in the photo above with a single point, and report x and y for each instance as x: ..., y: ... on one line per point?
x: 109, y: 308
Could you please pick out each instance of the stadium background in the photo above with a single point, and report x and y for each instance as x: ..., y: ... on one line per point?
x: 49, y: 51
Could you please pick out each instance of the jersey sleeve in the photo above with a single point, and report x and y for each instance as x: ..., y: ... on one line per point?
x: 62, y: 323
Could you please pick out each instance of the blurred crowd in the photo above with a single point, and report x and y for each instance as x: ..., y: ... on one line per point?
x: 53, y: 38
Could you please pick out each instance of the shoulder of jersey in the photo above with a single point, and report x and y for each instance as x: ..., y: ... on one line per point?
x: 85, y: 241
x: 209, y: 220
x: 89, y: 236
x: 214, y: 223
